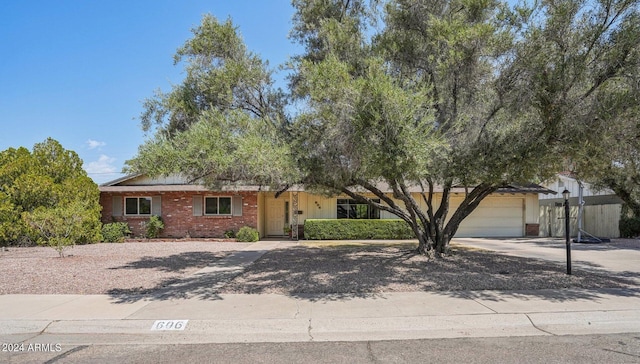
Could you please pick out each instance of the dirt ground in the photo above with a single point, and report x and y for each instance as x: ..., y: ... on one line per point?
x: 143, y: 267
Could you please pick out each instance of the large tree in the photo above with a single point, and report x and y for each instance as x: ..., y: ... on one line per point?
x: 225, y: 123
x: 46, y: 197
x: 407, y: 95
x: 461, y: 93
x: 580, y: 73
x: 613, y: 161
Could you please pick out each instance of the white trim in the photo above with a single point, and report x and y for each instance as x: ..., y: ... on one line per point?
x: 204, y: 205
x: 124, y: 207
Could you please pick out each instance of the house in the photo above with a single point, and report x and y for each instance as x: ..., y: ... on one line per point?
x: 191, y: 210
x: 600, y: 216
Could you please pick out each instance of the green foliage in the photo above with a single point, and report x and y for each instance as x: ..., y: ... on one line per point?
x: 629, y: 227
x: 153, y: 227
x: 230, y: 234
x: 247, y: 234
x: 224, y: 122
x: 354, y: 229
x: 47, y: 186
x: 11, y: 226
x: 440, y: 94
x: 59, y: 227
x: 229, y: 146
x: 220, y: 75
x: 115, y: 232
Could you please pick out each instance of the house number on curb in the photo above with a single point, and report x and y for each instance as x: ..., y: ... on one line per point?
x: 175, y: 325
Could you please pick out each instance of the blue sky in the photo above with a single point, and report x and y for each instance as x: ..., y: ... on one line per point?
x: 78, y: 71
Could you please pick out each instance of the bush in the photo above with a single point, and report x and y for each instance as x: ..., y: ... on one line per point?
x: 247, y: 234
x: 153, y: 227
x: 59, y: 227
x: 46, y: 197
x: 229, y: 234
x: 629, y: 227
x: 115, y: 232
x: 352, y: 229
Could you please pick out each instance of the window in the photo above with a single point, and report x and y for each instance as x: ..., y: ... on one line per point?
x: 286, y: 212
x: 137, y: 206
x: 217, y: 205
x: 351, y: 209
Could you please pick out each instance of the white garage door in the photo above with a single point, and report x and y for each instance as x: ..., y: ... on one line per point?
x: 495, y: 217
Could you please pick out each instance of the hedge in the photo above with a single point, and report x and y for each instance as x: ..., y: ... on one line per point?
x: 353, y: 229
x: 629, y: 227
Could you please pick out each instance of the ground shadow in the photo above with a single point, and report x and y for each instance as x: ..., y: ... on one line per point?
x: 203, y: 288
x: 336, y: 274
x: 194, y: 285
x: 343, y: 273
x: 175, y: 262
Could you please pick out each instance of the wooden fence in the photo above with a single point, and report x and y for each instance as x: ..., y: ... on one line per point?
x: 598, y: 220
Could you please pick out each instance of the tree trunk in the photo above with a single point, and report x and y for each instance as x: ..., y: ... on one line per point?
x: 430, y: 229
x: 437, y: 244
x: 426, y: 246
x: 625, y: 195
x: 433, y: 248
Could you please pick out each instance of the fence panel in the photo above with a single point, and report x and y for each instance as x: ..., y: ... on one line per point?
x: 598, y: 220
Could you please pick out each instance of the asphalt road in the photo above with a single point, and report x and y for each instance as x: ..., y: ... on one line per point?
x: 616, y: 348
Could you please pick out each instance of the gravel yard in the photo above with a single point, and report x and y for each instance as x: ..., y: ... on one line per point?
x: 375, y: 269
x: 101, y: 268
x: 141, y: 268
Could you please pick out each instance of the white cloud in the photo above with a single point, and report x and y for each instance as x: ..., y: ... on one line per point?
x: 103, y: 165
x: 93, y: 144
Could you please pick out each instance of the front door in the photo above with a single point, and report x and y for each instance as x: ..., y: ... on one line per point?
x: 276, y: 216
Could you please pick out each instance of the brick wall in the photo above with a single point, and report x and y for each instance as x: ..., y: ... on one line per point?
x: 532, y: 229
x: 177, y: 214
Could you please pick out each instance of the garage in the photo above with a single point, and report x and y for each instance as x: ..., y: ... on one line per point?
x: 495, y: 217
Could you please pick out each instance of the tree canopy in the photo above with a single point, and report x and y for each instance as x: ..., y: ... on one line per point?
x: 408, y: 94
x: 225, y: 123
x: 46, y: 197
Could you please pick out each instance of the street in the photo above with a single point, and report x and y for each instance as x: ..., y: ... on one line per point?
x: 614, y: 348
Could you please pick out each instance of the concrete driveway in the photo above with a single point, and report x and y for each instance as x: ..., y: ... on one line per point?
x: 621, y: 256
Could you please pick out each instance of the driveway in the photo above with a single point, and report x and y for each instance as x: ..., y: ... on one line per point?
x: 621, y: 256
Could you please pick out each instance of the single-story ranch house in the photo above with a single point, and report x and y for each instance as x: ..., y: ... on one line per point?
x: 192, y: 210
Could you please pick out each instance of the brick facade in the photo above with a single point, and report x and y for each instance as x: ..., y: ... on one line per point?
x: 532, y: 229
x: 178, y: 216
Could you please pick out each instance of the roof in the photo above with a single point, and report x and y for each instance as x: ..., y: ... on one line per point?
x: 174, y: 188
x: 527, y: 188
x: 120, y: 180
x: 141, y: 183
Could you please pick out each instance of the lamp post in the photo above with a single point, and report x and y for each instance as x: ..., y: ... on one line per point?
x: 565, y: 194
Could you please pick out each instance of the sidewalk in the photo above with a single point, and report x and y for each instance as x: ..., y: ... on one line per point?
x: 102, y: 319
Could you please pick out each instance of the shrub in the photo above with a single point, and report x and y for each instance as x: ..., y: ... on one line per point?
x: 629, y: 227
x: 115, y: 232
x: 229, y: 234
x: 153, y: 227
x: 353, y: 229
x: 46, y: 197
x: 247, y: 234
x: 58, y: 227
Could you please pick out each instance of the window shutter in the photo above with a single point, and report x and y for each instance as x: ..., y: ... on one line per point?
x: 156, y: 205
x: 116, y: 206
x: 236, y: 202
x: 197, y: 205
